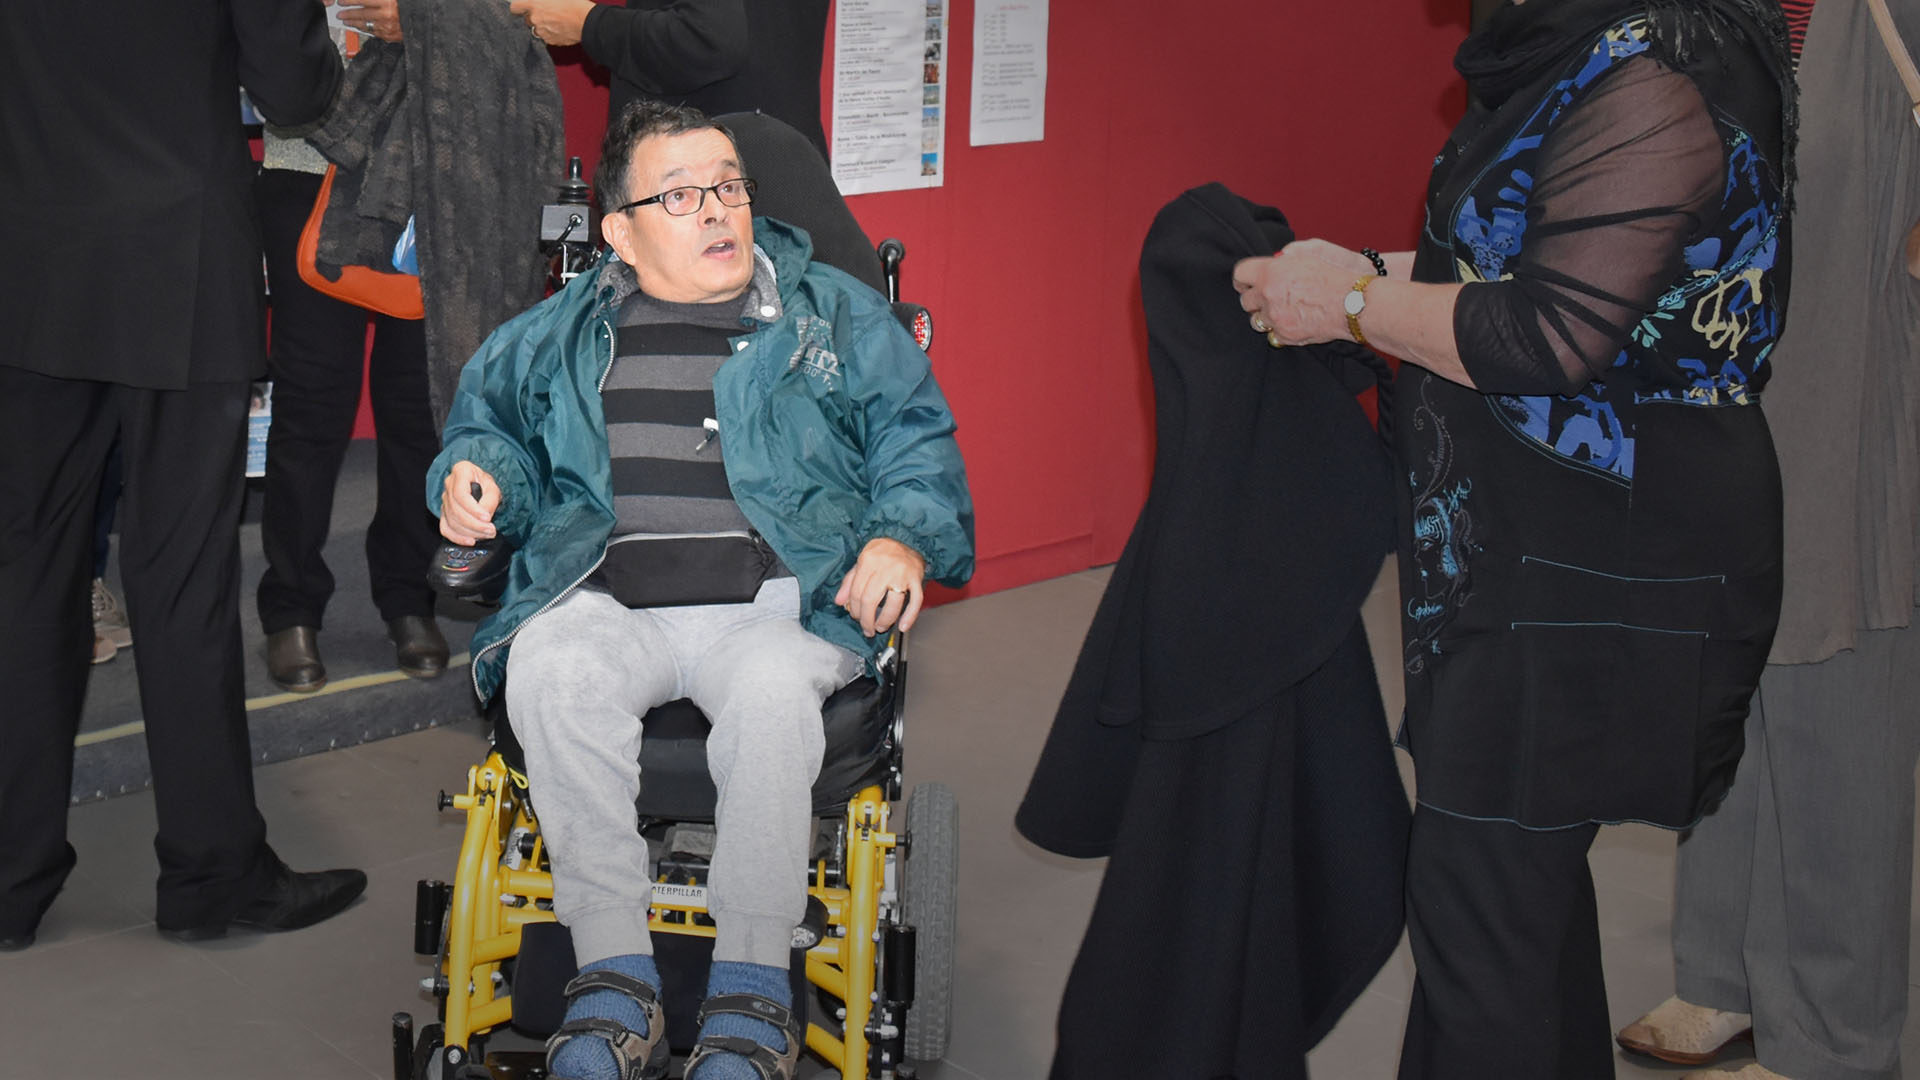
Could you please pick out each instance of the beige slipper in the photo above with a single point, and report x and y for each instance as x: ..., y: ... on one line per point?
x: 1755, y: 1071
x: 1685, y: 1034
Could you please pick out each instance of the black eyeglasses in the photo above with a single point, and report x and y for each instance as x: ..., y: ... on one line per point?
x: 682, y: 201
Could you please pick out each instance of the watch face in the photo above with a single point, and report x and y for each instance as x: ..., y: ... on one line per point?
x: 1356, y: 301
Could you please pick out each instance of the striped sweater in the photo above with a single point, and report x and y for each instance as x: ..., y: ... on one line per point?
x: 668, y: 455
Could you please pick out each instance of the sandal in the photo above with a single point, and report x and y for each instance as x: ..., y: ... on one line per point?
x: 635, y: 1056
x: 770, y: 1065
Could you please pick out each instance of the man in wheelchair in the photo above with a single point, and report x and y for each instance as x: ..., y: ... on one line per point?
x: 727, y: 470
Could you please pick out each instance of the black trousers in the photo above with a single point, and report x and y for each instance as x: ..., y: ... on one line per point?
x: 316, y: 363
x: 180, y: 564
x: 1506, y: 946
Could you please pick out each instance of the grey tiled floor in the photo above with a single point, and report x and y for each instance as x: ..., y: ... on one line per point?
x: 102, y: 996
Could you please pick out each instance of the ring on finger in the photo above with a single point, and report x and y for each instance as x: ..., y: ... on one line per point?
x: 1273, y: 339
x: 1260, y: 324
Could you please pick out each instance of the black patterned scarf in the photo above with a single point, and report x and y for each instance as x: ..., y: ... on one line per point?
x: 1736, y: 51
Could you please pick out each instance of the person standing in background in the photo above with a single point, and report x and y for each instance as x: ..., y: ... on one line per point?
x: 1793, y: 901
x: 719, y: 56
x: 132, y: 308
x: 315, y: 360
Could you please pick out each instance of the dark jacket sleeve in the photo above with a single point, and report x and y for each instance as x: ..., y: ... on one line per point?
x: 287, y: 63
x: 918, y: 490
x: 675, y: 49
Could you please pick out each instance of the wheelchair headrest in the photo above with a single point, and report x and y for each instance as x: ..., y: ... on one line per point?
x: 797, y: 187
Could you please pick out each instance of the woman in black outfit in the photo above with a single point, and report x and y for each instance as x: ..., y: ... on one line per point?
x: 1590, y: 542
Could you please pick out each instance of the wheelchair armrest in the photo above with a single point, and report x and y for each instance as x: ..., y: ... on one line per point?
x: 476, y: 574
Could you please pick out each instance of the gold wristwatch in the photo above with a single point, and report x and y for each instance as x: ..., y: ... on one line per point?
x: 1356, y: 303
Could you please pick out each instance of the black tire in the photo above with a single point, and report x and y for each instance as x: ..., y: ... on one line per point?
x: 929, y: 898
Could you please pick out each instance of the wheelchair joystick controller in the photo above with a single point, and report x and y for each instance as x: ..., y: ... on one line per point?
x: 566, y: 236
x: 476, y: 574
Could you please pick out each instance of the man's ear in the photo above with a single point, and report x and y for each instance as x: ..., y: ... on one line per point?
x: 618, y: 232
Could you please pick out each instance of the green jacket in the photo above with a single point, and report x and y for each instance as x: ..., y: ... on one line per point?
x: 835, y: 431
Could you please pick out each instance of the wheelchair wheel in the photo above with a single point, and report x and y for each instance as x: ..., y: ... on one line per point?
x: 928, y: 898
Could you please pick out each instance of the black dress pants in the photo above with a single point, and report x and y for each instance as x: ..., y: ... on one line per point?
x: 180, y: 564
x: 1506, y: 949
x: 316, y: 363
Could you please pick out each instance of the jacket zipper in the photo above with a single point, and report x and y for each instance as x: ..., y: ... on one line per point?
x: 742, y: 534
x: 473, y: 665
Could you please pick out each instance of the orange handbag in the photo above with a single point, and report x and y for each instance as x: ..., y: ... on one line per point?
x: 385, y: 291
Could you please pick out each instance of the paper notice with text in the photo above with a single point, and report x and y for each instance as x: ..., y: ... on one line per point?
x: 889, y: 94
x: 1009, y: 72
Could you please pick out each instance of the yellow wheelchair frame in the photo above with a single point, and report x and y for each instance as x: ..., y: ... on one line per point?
x: 865, y: 958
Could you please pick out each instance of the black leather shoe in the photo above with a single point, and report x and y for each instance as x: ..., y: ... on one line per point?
x: 11, y: 942
x: 293, y: 659
x: 290, y: 901
x: 418, y: 648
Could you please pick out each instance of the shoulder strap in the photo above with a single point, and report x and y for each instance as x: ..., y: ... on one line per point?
x: 1897, y: 49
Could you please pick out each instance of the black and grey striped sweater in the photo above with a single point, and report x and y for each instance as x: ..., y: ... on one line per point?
x: 668, y: 455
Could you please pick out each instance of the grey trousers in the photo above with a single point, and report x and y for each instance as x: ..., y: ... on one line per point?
x: 1793, y: 900
x: 579, y: 678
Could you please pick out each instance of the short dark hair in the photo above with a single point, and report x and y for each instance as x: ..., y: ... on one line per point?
x: 642, y: 120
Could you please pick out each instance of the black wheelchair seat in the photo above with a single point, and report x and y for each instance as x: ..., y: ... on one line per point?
x: 862, y: 748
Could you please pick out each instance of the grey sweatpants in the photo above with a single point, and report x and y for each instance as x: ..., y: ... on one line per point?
x: 579, y: 678
x: 1793, y: 900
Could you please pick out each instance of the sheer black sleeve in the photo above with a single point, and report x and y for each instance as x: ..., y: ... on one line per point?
x: 1623, y: 182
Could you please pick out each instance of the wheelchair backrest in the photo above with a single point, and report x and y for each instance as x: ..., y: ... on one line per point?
x: 797, y: 187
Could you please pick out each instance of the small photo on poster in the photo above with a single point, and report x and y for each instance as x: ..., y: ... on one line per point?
x: 932, y: 75
x: 933, y: 9
x: 929, y: 164
x: 933, y: 28
x: 933, y: 50
x: 930, y: 95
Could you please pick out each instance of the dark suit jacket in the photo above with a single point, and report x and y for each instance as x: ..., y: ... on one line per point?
x: 126, y: 213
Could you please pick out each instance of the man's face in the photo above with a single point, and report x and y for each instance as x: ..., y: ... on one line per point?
x: 703, y: 257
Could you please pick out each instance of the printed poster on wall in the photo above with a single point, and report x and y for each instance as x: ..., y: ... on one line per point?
x: 1009, y: 97
x: 889, y: 94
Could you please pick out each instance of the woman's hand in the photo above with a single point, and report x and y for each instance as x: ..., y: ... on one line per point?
x: 381, y: 18
x: 1297, y: 296
x: 556, y: 22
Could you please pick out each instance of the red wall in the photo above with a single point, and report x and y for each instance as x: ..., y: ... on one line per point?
x: 1027, y: 256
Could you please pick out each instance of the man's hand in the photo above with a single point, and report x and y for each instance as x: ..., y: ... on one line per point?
x: 464, y: 519
x: 556, y: 22
x: 381, y: 18
x: 884, y: 586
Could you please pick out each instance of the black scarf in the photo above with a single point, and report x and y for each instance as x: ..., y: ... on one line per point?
x: 1523, y: 44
